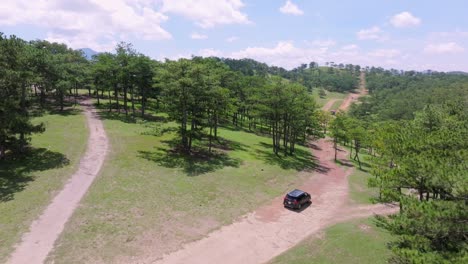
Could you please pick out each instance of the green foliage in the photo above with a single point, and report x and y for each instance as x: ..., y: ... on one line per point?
x: 16, y: 75
x: 422, y: 164
x: 398, y: 95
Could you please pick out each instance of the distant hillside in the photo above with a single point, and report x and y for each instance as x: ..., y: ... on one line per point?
x: 458, y: 73
x: 89, y: 53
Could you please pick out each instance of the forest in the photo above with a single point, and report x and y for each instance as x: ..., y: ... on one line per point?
x: 198, y: 93
x: 414, y: 125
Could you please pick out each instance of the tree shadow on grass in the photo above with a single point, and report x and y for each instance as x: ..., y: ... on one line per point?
x: 130, y: 118
x: 199, y: 161
x: 52, y: 110
x: 16, y: 172
x: 301, y: 160
x: 224, y: 144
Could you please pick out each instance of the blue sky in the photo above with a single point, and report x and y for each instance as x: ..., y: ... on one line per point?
x: 393, y: 34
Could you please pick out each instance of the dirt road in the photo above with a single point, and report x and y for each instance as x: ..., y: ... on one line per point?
x: 329, y: 104
x: 353, y: 97
x: 272, y: 229
x: 39, y: 241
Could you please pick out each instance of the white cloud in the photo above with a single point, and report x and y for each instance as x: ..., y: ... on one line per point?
x: 450, y: 34
x: 207, y: 13
x: 289, y: 55
x: 196, y: 35
x: 373, y: 33
x: 232, y: 39
x: 444, y: 48
x: 405, y: 19
x: 384, y: 53
x: 96, y: 24
x: 322, y: 43
x: 350, y: 47
x: 210, y: 53
x: 291, y: 9
x: 284, y: 54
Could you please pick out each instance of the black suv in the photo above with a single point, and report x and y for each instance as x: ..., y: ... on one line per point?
x: 296, y: 199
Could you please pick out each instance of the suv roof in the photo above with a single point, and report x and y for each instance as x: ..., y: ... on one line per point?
x: 295, y: 193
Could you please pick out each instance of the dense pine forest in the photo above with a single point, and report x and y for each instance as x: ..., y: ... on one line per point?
x: 413, y: 125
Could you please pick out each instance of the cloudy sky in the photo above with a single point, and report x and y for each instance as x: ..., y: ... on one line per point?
x: 417, y: 34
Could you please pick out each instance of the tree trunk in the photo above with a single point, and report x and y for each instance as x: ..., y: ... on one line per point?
x: 117, y: 98
x: 42, y: 99
x: 211, y: 133
x: 335, y: 147
x: 2, y: 152
x: 125, y: 100
x: 192, y: 128
x: 110, y: 100
x: 97, y: 96
x: 131, y: 99
x: 183, y: 131
x: 143, y: 101
x: 23, y: 112
x: 61, y: 100
x: 216, y: 125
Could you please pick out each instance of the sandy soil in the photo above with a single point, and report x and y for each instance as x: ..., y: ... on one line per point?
x: 39, y: 241
x: 353, y: 97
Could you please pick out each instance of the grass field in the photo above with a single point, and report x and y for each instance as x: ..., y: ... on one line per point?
x: 360, y: 192
x: 336, y: 105
x: 356, y: 242
x: 28, y: 184
x: 330, y: 96
x: 151, y: 199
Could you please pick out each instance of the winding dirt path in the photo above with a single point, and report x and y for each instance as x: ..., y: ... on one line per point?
x: 39, y: 241
x: 271, y: 230
x: 329, y: 104
x: 353, y: 97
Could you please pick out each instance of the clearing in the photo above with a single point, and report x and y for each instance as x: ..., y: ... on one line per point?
x: 271, y: 230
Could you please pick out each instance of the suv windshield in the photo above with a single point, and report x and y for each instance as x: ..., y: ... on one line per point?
x: 291, y: 197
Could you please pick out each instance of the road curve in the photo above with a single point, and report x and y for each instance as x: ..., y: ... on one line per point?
x: 39, y: 241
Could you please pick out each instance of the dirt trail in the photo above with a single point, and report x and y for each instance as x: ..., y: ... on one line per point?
x: 353, y: 97
x: 329, y: 104
x: 39, y: 241
x: 272, y: 229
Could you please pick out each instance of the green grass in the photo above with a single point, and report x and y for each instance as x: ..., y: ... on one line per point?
x: 148, y: 194
x: 336, y: 105
x: 330, y: 96
x: 28, y: 184
x: 355, y: 242
x: 360, y: 192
